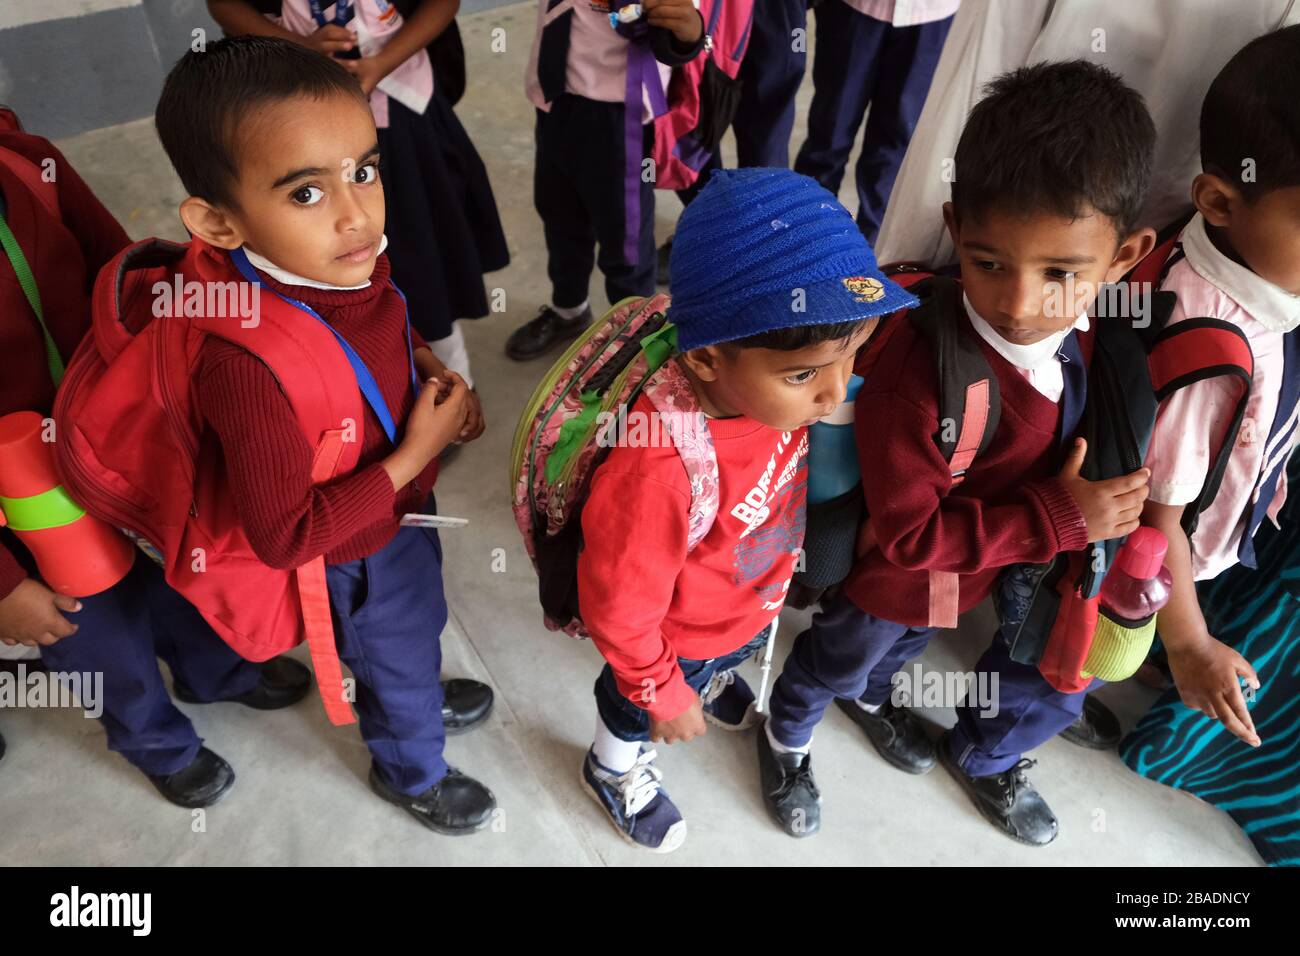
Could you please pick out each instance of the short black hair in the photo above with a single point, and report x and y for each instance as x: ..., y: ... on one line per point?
x: 208, y: 92
x: 800, y: 336
x: 1062, y: 137
x: 1252, y: 112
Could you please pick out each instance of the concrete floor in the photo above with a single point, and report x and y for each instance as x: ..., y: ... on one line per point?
x: 301, y: 796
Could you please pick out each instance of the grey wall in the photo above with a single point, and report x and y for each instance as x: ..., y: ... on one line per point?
x: 67, y: 66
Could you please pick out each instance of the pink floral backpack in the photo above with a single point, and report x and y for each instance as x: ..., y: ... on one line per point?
x: 573, y: 419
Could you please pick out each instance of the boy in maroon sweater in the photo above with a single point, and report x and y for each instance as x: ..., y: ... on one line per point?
x: 774, y: 292
x: 276, y: 147
x: 1052, y: 168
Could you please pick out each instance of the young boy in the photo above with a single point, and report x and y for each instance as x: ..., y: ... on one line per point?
x: 1052, y: 168
x: 1239, y: 263
x: 61, y: 234
x: 585, y: 189
x: 775, y: 292
x: 276, y: 147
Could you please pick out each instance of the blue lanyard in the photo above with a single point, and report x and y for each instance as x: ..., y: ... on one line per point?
x: 365, y: 381
x: 342, y: 9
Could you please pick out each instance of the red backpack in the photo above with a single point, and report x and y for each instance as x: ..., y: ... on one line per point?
x: 133, y: 450
x: 702, y: 96
x: 1053, y: 609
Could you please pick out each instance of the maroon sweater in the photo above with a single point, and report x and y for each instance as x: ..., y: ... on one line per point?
x: 65, y: 252
x: 1011, y: 507
x: 289, y: 520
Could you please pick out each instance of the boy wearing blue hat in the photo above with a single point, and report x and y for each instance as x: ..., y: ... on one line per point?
x: 775, y: 292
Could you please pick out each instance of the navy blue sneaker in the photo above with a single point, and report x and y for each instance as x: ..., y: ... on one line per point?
x: 641, y: 812
x: 729, y: 703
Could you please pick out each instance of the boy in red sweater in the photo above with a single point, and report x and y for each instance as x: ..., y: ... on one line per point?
x: 276, y: 147
x: 1052, y: 168
x: 774, y: 292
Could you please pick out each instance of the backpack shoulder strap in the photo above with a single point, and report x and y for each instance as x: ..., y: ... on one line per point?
x: 968, y: 390
x: 680, y: 414
x: 1194, y: 350
x: 46, y: 193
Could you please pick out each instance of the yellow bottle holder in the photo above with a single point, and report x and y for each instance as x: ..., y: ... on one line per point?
x: 1118, y: 651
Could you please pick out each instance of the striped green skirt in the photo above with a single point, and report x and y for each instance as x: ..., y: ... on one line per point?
x: 1258, y: 613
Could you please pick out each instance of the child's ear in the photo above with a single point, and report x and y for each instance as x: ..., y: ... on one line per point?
x: 703, y: 362
x: 950, y: 220
x: 211, y: 224
x: 1215, y: 198
x: 1131, y: 251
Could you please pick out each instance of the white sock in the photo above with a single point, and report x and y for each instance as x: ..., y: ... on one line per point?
x: 452, y: 353
x: 614, y: 753
x: 869, y: 708
x: 781, y: 748
x: 572, y: 313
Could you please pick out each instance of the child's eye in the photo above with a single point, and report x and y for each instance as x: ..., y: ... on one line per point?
x: 1059, y: 274
x: 988, y: 265
x: 307, y: 195
x: 367, y: 174
x: 801, y: 378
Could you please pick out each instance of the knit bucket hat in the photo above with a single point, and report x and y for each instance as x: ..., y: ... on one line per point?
x: 766, y: 249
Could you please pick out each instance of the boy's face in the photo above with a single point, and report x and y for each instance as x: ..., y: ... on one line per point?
x: 1264, y: 235
x: 308, y: 195
x: 1032, y: 276
x: 781, y: 389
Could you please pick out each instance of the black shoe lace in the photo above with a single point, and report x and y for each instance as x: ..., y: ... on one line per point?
x: 800, y: 776
x: 1013, y: 779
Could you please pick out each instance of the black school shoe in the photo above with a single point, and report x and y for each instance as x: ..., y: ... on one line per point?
x: 789, y: 791
x: 201, y: 784
x: 455, y: 805
x: 1006, y: 800
x: 663, y: 260
x: 536, y: 336
x: 1096, y: 728
x: 284, y: 682
x: 896, y: 733
x: 465, y: 703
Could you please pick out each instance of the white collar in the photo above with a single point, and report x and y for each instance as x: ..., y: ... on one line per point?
x: 289, y: 278
x: 1270, y: 306
x: 1028, y: 357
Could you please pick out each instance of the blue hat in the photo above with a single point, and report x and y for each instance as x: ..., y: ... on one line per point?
x: 766, y: 249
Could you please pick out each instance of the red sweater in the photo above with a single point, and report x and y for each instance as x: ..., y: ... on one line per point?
x: 65, y: 252
x: 289, y: 520
x: 1010, y: 508
x: 644, y: 599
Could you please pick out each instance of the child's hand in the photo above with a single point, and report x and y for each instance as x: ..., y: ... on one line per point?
x: 474, y: 423
x: 330, y: 39
x: 1206, y: 677
x: 1111, y: 508
x: 31, y: 615
x: 679, y: 16
x: 683, y: 727
x: 368, y: 70
x: 435, y: 421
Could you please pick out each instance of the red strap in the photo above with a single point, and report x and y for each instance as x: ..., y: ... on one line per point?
x: 1194, y: 349
x: 943, y: 599
x: 974, y: 419
x: 314, y: 598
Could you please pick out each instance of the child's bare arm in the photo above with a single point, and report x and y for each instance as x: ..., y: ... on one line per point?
x: 430, y: 18
x: 240, y: 18
x: 1205, y: 670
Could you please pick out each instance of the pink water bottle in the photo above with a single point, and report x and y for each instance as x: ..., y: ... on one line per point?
x: 1139, y: 584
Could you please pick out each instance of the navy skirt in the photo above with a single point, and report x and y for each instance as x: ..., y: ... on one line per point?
x: 442, y: 224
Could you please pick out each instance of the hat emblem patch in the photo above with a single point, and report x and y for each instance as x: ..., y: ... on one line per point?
x: 865, y: 288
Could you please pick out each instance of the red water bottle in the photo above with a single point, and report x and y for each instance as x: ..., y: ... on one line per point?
x: 1139, y: 584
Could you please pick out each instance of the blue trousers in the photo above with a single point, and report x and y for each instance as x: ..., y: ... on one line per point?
x: 121, y: 634
x: 389, y: 612
x: 863, y: 62
x: 848, y: 653
x: 627, y: 721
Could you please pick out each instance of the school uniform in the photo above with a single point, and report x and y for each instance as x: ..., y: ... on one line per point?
x: 880, y: 54
x: 123, y: 630
x: 577, y: 79
x: 1010, y: 508
x: 440, y: 213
